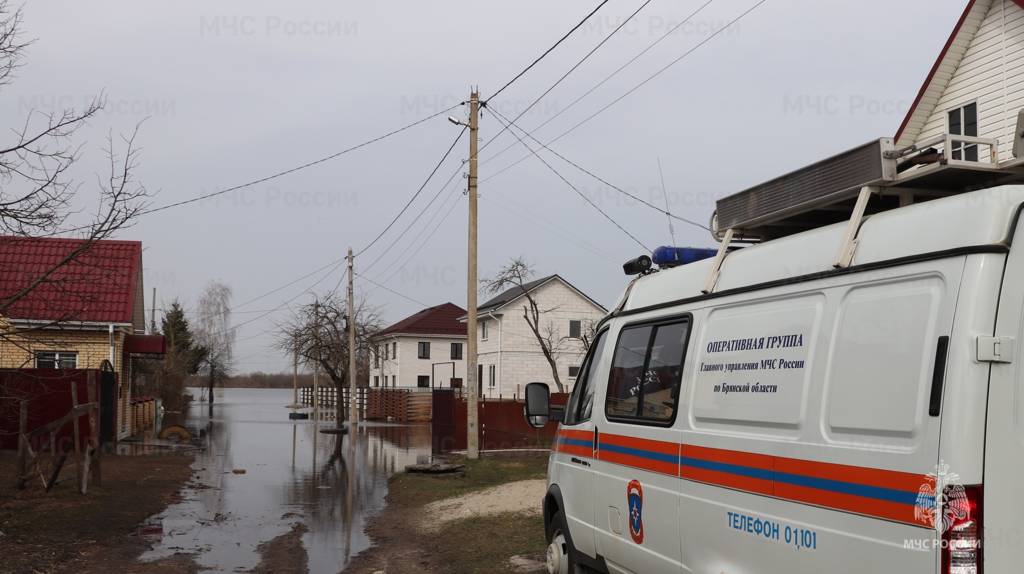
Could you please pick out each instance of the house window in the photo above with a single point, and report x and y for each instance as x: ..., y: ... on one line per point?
x: 575, y: 329
x: 376, y: 381
x: 423, y: 382
x: 385, y: 351
x: 964, y: 122
x: 394, y: 381
x: 647, y: 367
x: 456, y: 351
x: 56, y: 360
x: 424, y: 350
x: 574, y: 372
x: 483, y: 330
x: 376, y: 357
x: 394, y: 351
x: 491, y: 378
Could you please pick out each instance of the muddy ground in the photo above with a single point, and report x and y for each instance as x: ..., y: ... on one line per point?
x: 473, y: 544
x: 64, y: 531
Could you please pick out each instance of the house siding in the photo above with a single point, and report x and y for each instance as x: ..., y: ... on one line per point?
x: 990, y: 73
x: 513, y: 349
x: 408, y: 367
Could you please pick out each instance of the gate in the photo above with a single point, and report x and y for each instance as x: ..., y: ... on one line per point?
x: 443, y: 432
x: 108, y: 403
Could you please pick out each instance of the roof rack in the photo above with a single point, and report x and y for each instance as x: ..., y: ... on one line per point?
x: 832, y: 190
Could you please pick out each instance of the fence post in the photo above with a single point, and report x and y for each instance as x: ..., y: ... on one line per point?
x: 22, y: 451
x: 95, y: 413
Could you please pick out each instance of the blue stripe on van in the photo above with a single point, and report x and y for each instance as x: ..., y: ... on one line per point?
x: 575, y: 442
x: 862, y: 490
x: 662, y: 457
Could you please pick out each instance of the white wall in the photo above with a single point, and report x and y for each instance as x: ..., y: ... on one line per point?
x: 992, y: 74
x: 513, y: 349
x: 408, y: 367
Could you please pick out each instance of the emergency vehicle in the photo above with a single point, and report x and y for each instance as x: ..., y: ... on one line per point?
x: 840, y: 397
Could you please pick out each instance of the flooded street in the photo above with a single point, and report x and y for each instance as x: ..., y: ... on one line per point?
x: 261, y: 474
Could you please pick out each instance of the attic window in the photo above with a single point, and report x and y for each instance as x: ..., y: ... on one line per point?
x: 964, y: 122
x: 575, y: 329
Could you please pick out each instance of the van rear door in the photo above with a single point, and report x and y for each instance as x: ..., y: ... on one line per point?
x: 809, y: 446
x: 1004, y: 439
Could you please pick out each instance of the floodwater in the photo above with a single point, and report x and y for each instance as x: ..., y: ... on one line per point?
x: 292, y: 473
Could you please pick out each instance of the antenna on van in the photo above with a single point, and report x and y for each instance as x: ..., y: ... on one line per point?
x: 664, y: 191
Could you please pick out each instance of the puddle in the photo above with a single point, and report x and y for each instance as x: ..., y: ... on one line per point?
x: 293, y: 473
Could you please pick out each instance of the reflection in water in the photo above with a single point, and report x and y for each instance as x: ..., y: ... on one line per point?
x: 292, y: 473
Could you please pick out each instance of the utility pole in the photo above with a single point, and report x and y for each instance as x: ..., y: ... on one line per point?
x: 353, y: 408
x: 295, y: 371
x: 152, y: 315
x: 316, y: 367
x: 472, y: 440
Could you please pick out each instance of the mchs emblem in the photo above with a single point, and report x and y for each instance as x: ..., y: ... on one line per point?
x: 635, y: 501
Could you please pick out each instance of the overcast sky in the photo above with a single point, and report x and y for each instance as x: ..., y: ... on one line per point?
x: 232, y: 91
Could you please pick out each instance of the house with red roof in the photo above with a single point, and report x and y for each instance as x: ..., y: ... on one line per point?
x: 68, y: 304
x: 425, y: 350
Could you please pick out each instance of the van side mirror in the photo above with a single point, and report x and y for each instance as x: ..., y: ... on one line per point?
x: 538, y: 405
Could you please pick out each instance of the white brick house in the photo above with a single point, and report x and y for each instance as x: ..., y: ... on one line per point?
x: 510, y: 356
x: 425, y: 350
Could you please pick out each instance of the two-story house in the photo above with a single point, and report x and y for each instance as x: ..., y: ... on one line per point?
x: 509, y: 354
x: 88, y: 310
x: 425, y: 350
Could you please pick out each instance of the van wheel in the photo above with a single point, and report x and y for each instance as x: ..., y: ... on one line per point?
x: 560, y: 550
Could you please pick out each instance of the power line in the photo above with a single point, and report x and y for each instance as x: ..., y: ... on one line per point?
x: 640, y: 85
x: 567, y: 74
x: 415, y: 195
x: 597, y: 86
x: 406, y: 297
x: 417, y: 218
x: 419, y: 245
x: 551, y: 49
x: 416, y: 242
x: 286, y: 303
x: 275, y: 175
x: 567, y: 182
x: 642, y: 201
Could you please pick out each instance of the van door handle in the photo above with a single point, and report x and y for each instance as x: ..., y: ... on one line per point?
x: 938, y: 376
x: 594, y: 445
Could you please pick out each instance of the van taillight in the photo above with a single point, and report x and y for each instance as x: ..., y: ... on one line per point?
x: 961, y: 542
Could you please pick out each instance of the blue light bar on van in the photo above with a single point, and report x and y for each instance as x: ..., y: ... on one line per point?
x: 668, y: 257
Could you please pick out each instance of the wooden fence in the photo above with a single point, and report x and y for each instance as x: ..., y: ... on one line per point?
x: 83, y: 434
x: 502, y: 425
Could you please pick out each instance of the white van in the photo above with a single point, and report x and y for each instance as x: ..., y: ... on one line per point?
x: 804, y: 418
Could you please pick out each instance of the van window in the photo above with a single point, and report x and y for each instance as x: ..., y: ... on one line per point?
x: 643, y: 385
x: 582, y: 401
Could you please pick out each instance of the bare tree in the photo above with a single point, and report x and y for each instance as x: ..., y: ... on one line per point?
x: 36, y: 190
x: 319, y: 331
x: 214, y: 332
x: 588, y: 333
x: 515, y: 275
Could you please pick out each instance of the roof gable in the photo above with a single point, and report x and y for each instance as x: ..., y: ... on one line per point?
x: 99, y: 286
x: 512, y: 293
x: 439, y: 320
x: 943, y: 70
